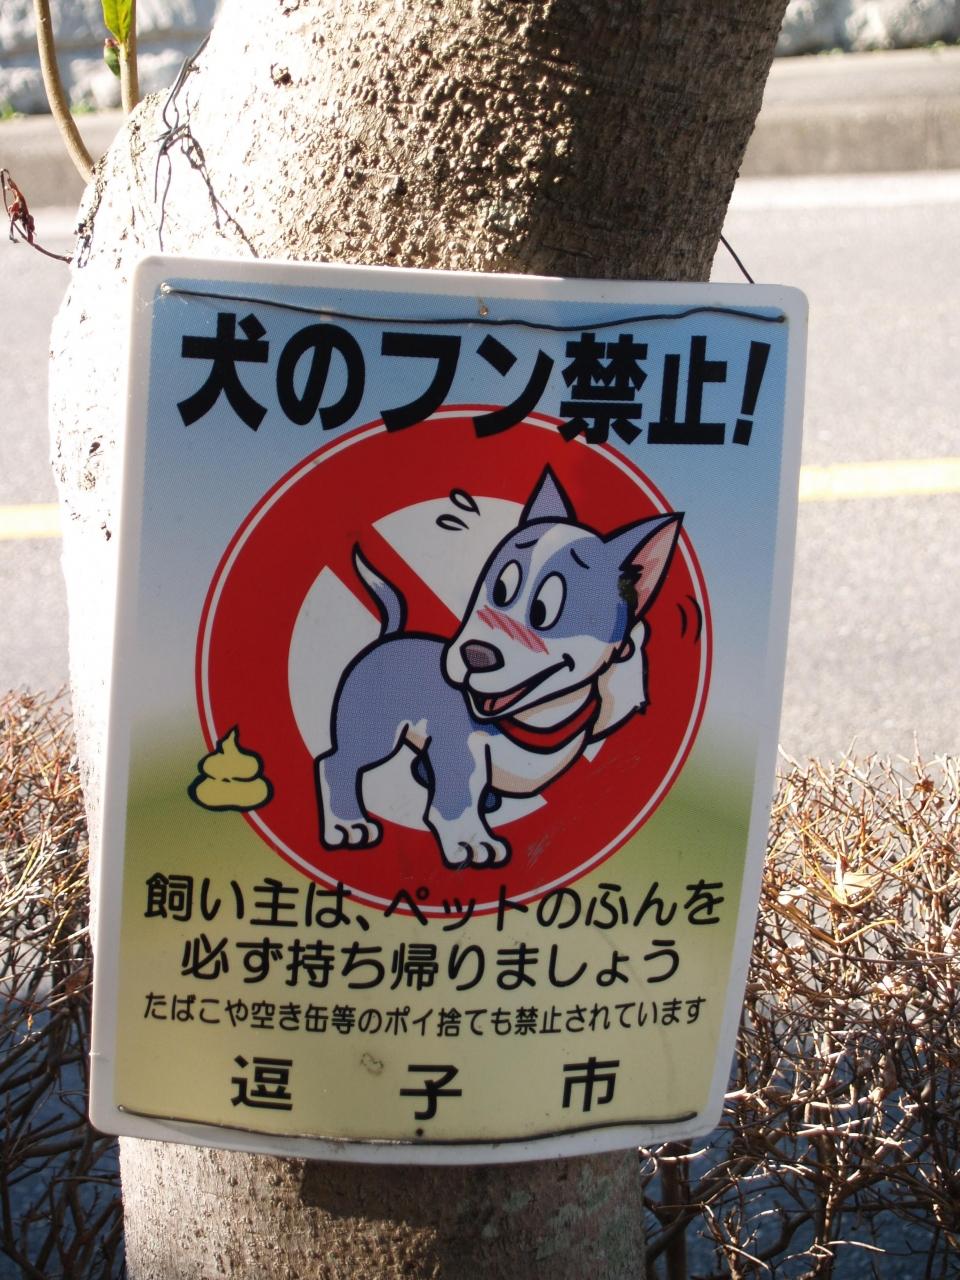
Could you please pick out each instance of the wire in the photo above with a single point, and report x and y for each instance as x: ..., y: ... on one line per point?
x: 729, y: 248
x: 303, y: 309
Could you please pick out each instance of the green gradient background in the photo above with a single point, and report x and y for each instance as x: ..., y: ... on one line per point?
x: 347, y: 1086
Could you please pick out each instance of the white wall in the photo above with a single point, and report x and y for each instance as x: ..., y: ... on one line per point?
x: 170, y: 30
x: 813, y: 25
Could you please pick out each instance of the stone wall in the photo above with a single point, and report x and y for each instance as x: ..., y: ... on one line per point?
x: 812, y: 26
x: 169, y: 30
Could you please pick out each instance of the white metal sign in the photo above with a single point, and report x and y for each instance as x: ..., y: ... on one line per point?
x: 450, y: 641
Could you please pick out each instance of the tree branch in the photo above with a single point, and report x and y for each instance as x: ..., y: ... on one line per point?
x: 129, y: 78
x: 55, y: 95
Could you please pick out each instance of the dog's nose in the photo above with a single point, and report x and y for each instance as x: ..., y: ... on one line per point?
x: 478, y: 656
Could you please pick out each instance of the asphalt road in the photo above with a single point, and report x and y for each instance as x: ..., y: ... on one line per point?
x: 872, y: 662
x: 872, y: 659
x: 33, y: 628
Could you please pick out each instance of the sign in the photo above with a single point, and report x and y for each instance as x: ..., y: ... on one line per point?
x: 450, y: 639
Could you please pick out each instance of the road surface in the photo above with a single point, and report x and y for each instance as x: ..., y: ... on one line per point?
x: 872, y: 663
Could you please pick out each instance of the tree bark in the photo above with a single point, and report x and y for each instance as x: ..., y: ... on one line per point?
x: 560, y: 137
x: 191, y: 1212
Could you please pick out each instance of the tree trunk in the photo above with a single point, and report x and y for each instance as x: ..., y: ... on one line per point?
x: 560, y: 137
x: 197, y: 1214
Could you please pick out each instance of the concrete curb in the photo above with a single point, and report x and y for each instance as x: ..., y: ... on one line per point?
x: 859, y: 113
x: 31, y: 148
x: 822, y: 114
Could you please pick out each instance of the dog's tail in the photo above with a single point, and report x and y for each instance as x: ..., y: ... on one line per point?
x: 390, y: 603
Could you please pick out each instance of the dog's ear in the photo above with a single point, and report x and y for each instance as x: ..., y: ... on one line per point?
x: 642, y: 554
x: 548, y: 501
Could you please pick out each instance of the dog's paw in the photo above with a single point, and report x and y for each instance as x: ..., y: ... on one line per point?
x: 485, y: 851
x: 359, y: 834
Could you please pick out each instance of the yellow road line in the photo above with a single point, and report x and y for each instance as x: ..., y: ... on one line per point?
x: 844, y: 480
x: 880, y: 479
x: 33, y: 520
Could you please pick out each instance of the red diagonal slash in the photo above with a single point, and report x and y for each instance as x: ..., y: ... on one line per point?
x: 425, y: 610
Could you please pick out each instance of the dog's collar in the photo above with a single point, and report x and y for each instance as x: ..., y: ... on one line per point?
x: 555, y: 736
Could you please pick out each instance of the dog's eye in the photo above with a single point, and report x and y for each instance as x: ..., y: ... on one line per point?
x: 507, y: 584
x: 548, y: 602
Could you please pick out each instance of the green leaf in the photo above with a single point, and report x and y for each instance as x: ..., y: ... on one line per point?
x: 117, y: 15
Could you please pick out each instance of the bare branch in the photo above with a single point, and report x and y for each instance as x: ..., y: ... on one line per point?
x: 53, y: 85
x: 129, y: 77
x: 843, y: 1117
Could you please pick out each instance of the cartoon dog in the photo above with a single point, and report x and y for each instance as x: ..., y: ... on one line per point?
x: 549, y: 657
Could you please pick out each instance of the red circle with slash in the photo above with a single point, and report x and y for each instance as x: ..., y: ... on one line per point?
x: 286, y: 613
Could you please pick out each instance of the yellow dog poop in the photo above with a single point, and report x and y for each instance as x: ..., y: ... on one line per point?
x: 230, y: 778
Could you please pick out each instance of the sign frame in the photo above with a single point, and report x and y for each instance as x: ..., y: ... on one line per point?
x: 486, y: 291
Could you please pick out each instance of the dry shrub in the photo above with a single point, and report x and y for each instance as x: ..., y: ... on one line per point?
x: 839, y: 1149
x: 842, y: 1126
x: 59, y: 1189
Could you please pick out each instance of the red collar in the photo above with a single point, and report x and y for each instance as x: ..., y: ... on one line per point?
x: 555, y: 736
